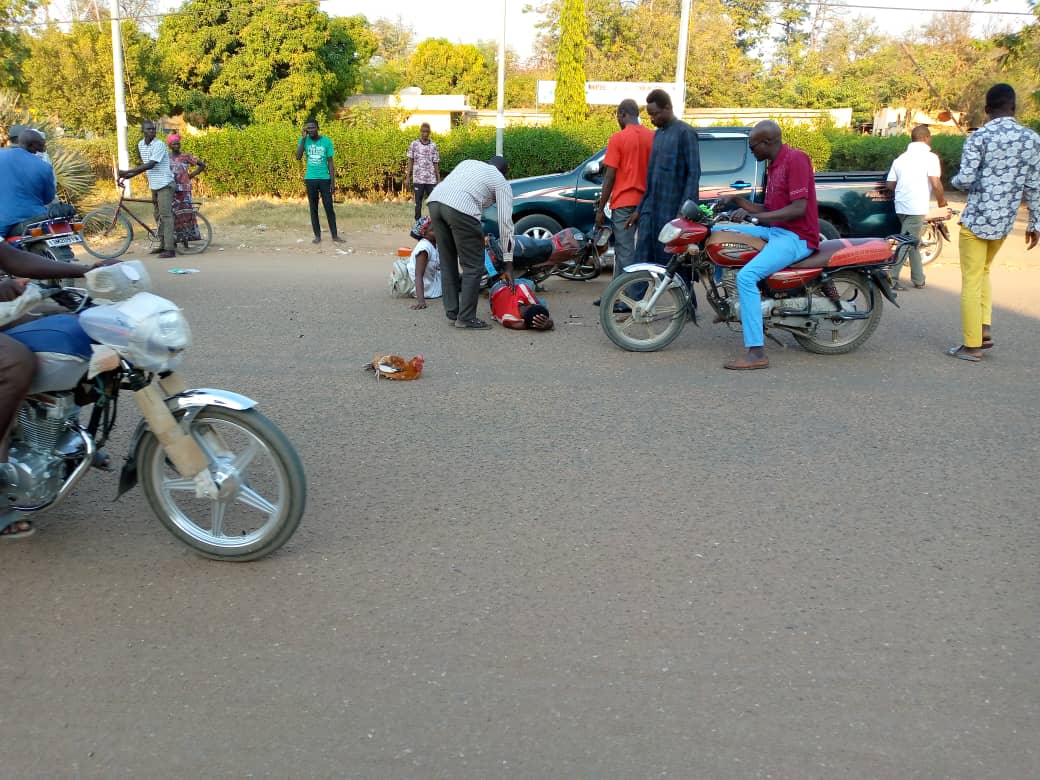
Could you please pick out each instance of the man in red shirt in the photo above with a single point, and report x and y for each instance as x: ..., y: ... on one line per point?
x: 624, y: 180
x: 517, y: 308
x: 789, y: 222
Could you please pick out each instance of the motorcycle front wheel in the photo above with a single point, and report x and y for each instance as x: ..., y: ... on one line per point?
x: 931, y: 243
x: 263, y: 490
x: 628, y: 322
x: 836, y: 337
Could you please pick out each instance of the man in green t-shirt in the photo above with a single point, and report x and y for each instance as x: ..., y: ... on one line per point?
x: 320, y: 176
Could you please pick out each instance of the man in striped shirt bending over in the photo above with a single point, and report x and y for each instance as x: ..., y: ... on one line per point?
x: 455, y: 206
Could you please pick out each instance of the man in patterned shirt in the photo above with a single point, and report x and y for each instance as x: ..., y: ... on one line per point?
x: 155, y: 165
x: 1000, y: 165
x: 424, y: 166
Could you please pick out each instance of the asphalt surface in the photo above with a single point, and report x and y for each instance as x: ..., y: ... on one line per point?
x: 549, y: 558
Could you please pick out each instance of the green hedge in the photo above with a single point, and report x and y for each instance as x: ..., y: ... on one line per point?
x: 258, y: 160
x: 874, y: 153
x: 370, y: 161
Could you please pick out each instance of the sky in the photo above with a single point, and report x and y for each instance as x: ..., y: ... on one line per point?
x: 466, y: 21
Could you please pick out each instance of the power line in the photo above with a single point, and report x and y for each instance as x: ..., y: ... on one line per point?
x: 138, y: 17
x: 823, y: 4
x: 291, y: 3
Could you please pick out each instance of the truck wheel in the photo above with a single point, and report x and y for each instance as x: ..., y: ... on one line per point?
x: 537, y: 226
x: 828, y: 231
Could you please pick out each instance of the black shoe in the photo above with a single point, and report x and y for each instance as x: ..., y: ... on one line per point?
x: 338, y: 240
x: 316, y: 240
x: 596, y: 302
x: 157, y: 250
x: 621, y: 308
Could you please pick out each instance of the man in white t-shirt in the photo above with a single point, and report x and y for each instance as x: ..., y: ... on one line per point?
x: 914, y: 176
x: 155, y: 165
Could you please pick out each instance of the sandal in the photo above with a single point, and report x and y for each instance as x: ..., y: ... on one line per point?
x: 961, y: 353
x: 472, y: 324
x: 18, y: 529
x: 987, y: 344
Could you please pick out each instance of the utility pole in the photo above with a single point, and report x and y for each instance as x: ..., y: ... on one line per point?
x: 680, y: 65
x: 500, y: 122
x: 117, y: 81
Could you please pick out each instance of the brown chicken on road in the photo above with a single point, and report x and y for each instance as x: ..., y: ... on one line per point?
x: 395, y: 367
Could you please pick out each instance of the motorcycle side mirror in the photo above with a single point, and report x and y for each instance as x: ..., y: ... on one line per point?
x: 690, y: 209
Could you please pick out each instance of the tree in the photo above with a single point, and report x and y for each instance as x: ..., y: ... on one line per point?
x: 243, y: 61
x: 70, y: 76
x: 384, y: 73
x: 14, y: 43
x: 439, y: 67
x: 569, y: 104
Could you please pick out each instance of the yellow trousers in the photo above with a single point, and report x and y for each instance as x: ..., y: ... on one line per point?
x: 976, y: 298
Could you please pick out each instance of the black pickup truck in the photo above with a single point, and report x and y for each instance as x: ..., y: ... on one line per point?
x: 851, y: 204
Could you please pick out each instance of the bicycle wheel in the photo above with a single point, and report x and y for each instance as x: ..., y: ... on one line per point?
x: 200, y: 245
x: 106, y: 234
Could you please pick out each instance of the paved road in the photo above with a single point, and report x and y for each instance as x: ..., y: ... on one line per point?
x: 552, y: 559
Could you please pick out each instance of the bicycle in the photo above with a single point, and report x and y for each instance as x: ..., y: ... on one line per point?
x: 107, y: 232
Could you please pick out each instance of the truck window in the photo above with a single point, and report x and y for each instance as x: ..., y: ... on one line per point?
x: 722, y: 155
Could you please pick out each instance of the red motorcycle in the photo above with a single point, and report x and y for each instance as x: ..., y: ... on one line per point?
x: 830, y: 302
x: 51, y: 237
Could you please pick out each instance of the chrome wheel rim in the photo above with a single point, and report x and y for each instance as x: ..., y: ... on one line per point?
x: 253, y: 488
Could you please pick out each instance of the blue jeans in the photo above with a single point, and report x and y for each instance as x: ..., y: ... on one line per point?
x: 782, y: 248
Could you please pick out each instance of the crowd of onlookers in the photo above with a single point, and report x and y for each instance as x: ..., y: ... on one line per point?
x: 648, y: 175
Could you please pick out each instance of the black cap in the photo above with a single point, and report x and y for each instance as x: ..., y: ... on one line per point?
x: 15, y: 130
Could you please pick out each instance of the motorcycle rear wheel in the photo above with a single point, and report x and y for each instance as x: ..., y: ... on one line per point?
x: 931, y: 243
x: 263, y: 487
x: 105, y: 238
x: 636, y: 330
x: 837, y: 337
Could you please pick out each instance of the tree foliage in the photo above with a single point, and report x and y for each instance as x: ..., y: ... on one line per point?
x: 439, y: 67
x: 241, y: 61
x: 569, y: 104
x: 14, y: 42
x: 69, y: 76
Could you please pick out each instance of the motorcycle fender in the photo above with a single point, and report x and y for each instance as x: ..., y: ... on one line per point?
x: 189, y: 399
x: 880, y: 278
x: 658, y: 271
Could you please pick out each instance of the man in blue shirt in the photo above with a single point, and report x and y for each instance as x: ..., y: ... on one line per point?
x: 28, y: 180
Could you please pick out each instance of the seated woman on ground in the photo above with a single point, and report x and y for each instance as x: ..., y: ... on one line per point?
x: 516, y: 307
x: 424, y: 264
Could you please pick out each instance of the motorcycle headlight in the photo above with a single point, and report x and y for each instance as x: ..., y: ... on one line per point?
x: 669, y: 233
x: 157, y: 342
x: 149, y: 331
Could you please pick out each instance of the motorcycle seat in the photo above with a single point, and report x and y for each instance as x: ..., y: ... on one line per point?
x: 846, y: 251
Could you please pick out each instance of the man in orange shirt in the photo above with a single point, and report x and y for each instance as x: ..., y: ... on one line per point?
x: 624, y: 180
